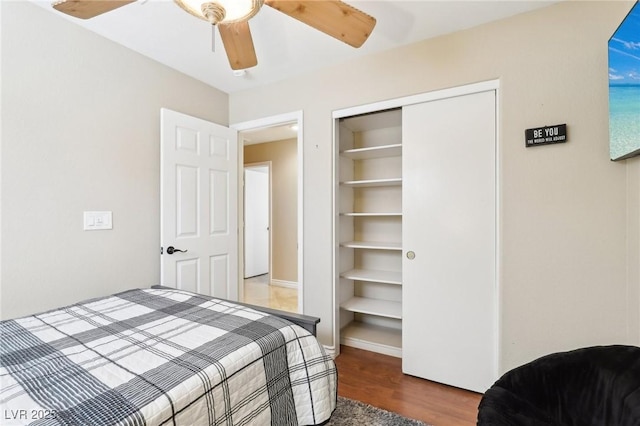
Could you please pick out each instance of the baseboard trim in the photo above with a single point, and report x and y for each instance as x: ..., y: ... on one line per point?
x: 330, y: 350
x: 283, y: 283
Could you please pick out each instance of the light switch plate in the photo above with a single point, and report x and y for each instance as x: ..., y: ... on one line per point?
x: 95, y: 221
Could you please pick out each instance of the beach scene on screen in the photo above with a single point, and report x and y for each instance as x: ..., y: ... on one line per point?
x: 624, y: 87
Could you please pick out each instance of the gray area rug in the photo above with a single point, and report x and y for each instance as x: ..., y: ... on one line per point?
x: 355, y: 413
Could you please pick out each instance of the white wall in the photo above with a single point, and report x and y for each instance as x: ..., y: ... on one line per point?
x: 1, y: 102
x: 568, y: 235
x: 80, y: 131
x: 633, y: 248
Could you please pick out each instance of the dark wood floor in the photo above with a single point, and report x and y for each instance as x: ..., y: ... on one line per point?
x: 378, y: 380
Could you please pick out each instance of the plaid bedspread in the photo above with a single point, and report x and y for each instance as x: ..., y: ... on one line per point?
x: 162, y: 357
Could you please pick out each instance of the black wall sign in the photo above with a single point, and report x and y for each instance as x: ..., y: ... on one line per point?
x: 545, y: 135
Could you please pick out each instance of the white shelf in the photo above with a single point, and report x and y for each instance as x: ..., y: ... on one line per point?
x: 372, y: 245
x: 394, y: 150
x: 386, y: 277
x: 355, y: 214
x: 378, y: 307
x: 369, y: 209
x: 374, y: 338
x: 372, y: 182
x: 378, y: 120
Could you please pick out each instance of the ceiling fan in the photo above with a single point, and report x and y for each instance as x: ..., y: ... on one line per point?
x: 332, y: 17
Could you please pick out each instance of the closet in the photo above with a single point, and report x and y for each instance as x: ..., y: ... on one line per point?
x: 370, y: 230
x: 416, y: 233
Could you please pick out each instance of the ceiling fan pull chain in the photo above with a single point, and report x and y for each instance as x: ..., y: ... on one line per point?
x: 213, y: 38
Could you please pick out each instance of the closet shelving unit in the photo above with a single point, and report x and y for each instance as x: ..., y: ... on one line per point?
x: 369, y: 231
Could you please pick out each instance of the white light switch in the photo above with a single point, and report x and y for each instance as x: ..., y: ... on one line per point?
x: 94, y: 221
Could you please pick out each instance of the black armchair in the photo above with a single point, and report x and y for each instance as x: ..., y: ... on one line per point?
x: 589, y: 386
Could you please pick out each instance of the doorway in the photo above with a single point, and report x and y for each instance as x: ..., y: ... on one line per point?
x: 277, y: 140
x: 257, y: 219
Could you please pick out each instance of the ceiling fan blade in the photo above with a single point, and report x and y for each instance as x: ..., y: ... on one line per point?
x: 85, y: 9
x: 332, y: 17
x: 238, y: 44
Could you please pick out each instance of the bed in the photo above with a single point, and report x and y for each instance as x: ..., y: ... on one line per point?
x: 162, y: 357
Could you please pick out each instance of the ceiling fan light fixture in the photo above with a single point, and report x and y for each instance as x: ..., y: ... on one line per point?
x: 221, y: 11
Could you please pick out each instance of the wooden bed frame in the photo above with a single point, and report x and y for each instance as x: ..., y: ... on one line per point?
x: 307, y: 322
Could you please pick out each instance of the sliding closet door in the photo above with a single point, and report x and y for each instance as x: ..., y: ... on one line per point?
x: 449, y: 330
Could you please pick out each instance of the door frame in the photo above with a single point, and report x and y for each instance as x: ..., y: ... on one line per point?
x: 266, y: 164
x: 295, y: 117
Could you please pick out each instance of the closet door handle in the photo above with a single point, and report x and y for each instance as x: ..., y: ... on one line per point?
x: 411, y: 255
x: 172, y: 249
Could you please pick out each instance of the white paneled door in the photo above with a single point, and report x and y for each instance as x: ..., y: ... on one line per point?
x: 199, y: 198
x: 449, y: 322
x: 256, y: 220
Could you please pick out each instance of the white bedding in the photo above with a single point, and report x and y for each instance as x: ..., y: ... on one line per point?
x: 162, y: 357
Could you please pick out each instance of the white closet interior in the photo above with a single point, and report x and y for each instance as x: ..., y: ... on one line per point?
x: 370, y: 222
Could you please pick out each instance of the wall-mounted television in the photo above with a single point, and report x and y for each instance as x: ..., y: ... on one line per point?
x: 624, y: 87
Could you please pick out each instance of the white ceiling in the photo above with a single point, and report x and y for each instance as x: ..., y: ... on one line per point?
x: 285, y: 47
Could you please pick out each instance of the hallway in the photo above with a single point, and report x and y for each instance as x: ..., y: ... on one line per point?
x: 257, y: 291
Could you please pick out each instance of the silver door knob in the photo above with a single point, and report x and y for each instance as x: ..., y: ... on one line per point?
x: 411, y: 255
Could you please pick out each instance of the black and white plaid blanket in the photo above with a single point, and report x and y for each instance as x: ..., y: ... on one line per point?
x: 162, y: 357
